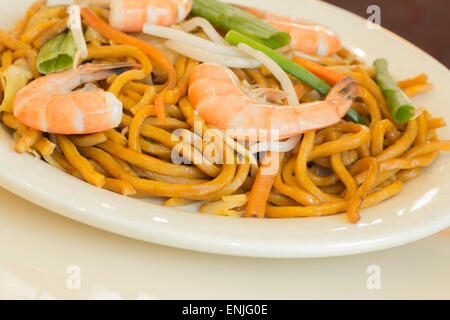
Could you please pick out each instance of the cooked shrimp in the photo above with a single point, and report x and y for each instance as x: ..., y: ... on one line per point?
x: 131, y: 15
x: 48, y: 103
x: 215, y: 93
x: 306, y: 36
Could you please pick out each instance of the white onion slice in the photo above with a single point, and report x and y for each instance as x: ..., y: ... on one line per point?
x: 276, y: 146
x: 306, y: 56
x: 207, y: 27
x: 74, y: 24
x: 276, y: 70
x: 203, y: 55
x: 178, y: 35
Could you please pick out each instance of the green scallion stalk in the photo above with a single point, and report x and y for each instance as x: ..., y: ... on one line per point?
x: 286, y: 64
x: 398, y: 104
x: 232, y: 18
x: 290, y: 67
x: 57, y: 54
x: 354, y: 116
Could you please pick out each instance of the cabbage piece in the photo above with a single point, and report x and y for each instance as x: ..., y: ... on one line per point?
x: 14, y: 78
x: 57, y: 54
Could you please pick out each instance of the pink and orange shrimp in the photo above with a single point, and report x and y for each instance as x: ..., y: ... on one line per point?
x: 131, y: 15
x: 215, y: 93
x: 48, y: 103
x: 306, y: 36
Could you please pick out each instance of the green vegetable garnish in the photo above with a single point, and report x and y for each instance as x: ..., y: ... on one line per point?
x: 290, y: 67
x: 57, y: 54
x: 286, y: 64
x: 232, y: 18
x: 398, y: 104
x: 354, y: 116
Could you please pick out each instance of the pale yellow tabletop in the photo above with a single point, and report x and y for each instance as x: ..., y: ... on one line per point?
x: 46, y: 256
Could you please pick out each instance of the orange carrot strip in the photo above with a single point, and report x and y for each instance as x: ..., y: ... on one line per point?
x: 110, y: 33
x: 257, y: 200
x: 420, y: 79
x: 325, y: 74
x: 418, y: 89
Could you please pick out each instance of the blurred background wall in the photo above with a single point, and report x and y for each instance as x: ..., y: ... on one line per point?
x: 426, y: 23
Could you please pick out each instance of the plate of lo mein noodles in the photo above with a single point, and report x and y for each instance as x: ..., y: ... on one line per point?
x: 237, y: 128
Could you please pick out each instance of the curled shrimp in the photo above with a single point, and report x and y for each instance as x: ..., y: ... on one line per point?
x: 215, y: 93
x: 48, y: 103
x: 306, y: 36
x: 131, y: 15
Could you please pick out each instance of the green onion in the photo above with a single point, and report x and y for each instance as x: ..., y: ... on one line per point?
x: 354, y: 116
x: 286, y: 64
x: 398, y: 103
x: 232, y: 18
x: 290, y: 67
x: 57, y: 54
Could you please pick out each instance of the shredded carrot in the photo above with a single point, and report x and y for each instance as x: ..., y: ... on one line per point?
x: 417, y: 89
x: 257, y: 200
x: 110, y: 33
x: 420, y: 79
x: 325, y: 74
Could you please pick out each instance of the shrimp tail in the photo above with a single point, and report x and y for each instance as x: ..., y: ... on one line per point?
x: 94, y: 72
x: 345, y: 91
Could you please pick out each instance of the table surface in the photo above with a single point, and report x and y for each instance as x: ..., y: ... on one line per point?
x: 423, y: 22
x: 38, y: 248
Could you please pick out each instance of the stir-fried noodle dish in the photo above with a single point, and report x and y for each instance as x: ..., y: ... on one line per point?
x: 249, y: 113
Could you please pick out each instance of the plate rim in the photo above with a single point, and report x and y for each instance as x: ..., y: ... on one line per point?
x: 43, y: 199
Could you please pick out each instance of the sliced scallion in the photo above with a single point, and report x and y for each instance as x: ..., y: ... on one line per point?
x: 286, y: 64
x: 354, y: 116
x: 397, y: 102
x: 232, y: 18
x: 57, y: 54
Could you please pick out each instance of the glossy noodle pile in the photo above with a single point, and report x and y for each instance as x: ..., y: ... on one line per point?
x: 337, y: 169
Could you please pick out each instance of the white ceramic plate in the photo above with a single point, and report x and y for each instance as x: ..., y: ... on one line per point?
x: 421, y: 209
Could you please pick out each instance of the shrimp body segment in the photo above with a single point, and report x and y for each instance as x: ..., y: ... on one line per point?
x: 215, y: 93
x: 306, y: 36
x: 131, y: 15
x: 48, y: 103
